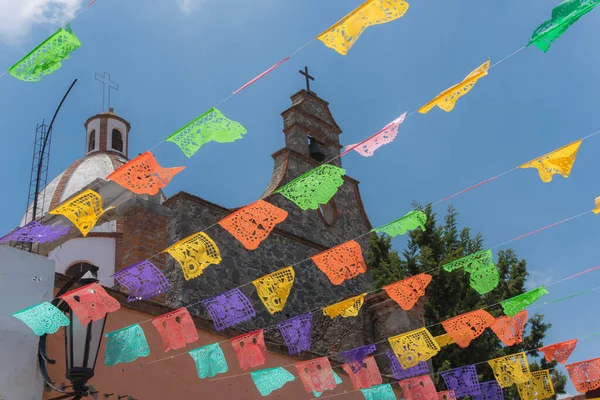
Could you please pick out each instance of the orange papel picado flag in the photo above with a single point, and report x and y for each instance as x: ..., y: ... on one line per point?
x: 346, y: 308
x: 556, y: 162
x: 447, y: 99
x: 343, y: 34
x: 408, y: 291
x: 83, y: 210
x: 466, y: 327
x: 510, y: 329
x: 194, y: 254
x: 274, y: 289
x: 341, y: 262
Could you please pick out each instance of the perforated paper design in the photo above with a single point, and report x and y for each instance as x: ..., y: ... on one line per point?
x: 466, y: 327
x: 209, y: 360
x: 510, y: 330
x: 126, y: 345
x: 596, y: 210
x: 90, y: 303
x: 35, y: 232
x: 563, y: 16
x: 315, y: 187
x: 143, y: 281
x: 344, y: 33
x: 43, y: 318
x: 176, y: 329
x: 515, y: 304
x: 446, y: 395
x: 462, y: 381
x: 46, y: 58
x: 229, y: 309
x: 355, y: 358
x: 490, y: 390
x: 269, y: 380
x: 296, y: 333
x: 540, y: 386
x: 143, y: 175
x: 408, y: 291
x: 338, y: 381
x: 250, y: 349
x: 414, y: 346
x: 557, y: 162
x: 412, y: 220
x: 367, y: 376
x: 447, y: 99
x: 387, y: 135
x: 253, y: 223
x: 444, y: 340
x: 585, y: 375
x: 400, y: 373
x: 379, y: 392
x: 418, y: 388
x: 341, y: 262
x: 194, y: 254
x: 559, y: 351
x: 316, y: 374
x: 273, y: 289
x: 212, y: 126
x: 83, y: 210
x: 483, y: 274
x: 346, y: 308
x: 511, y: 369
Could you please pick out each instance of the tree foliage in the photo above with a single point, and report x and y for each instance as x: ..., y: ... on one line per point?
x: 449, y: 294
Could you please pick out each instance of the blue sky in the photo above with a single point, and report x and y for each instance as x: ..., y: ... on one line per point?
x: 174, y: 60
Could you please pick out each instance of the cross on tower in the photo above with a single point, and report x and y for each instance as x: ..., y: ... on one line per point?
x: 104, y: 79
x: 307, y: 76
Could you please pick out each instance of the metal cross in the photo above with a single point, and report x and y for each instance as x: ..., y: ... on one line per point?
x: 104, y: 79
x: 307, y: 76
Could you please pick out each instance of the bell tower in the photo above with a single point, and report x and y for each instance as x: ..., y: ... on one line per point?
x: 107, y: 133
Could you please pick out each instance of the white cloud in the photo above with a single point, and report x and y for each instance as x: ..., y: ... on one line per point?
x: 17, y: 17
x: 187, y: 6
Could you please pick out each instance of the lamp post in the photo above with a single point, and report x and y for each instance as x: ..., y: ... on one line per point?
x: 82, y: 343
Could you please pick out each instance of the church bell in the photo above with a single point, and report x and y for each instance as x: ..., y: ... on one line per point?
x: 314, y: 150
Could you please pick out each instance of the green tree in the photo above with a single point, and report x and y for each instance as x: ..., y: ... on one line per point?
x: 449, y: 294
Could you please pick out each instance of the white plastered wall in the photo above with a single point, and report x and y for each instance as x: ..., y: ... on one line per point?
x: 93, y: 125
x: 121, y: 127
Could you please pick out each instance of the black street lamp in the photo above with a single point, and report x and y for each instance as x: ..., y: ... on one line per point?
x: 82, y: 343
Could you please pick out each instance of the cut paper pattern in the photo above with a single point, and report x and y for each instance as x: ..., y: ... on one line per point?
x: 315, y: 187
x: 462, y: 381
x: 338, y: 381
x: 341, y: 262
x: 540, y: 386
x: 563, y: 16
x: 483, y: 274
x: 400, y: 373
x: 261, y: 75
x: 176, y: 329
x: 250, y: 349
x: 269, y: 380
x: 143, y: 281
x: 414, y: 346
x: 490, y: 390
x: 209, y: 360
x: 408, y: 291
x: 355, y: 358
x: 515, y: 304
x: 559, y: 351
x: 316, y: 374
x: 346, y: 308
x: 42, y: 319
x: 143, y: 175
x: 367, y: 148
x: 253, y: 223
x: 296, y: 333
x: 343, y: 34
x: 466, y: 327
x: 444, y: 340
x: 447, y: 99
x: 90, y: 303
x: 47, y: 57
x: 273, y: 289
x: 34, y: 232
x: 126, y: 345
x: 412, y: 220
x: 596, y: 210
x: 510, y: 330
x: 556, y: 162
x: 229, y: 309
x: 212, y: 126
x: 585, y: 375
x: 83, y: 210
x: 367, y: 376
x: 418, y: 388
x: 194, y: 254
x: 446, y: 395
x: 380, y: 392
x: 511, y: 369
